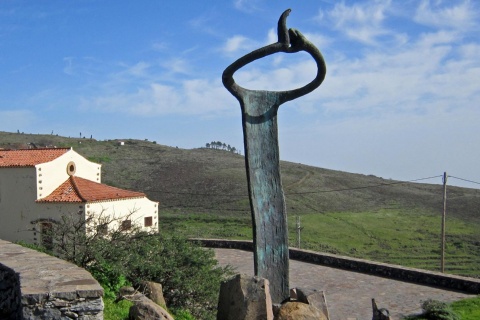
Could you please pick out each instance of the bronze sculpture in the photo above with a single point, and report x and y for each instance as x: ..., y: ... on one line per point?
x: 259, y: 120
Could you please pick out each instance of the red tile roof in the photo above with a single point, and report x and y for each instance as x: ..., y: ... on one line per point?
x: 77, y: 189
x: 29, y: 157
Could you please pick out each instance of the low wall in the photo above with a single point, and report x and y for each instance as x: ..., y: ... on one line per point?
x: 34, y: 285
x: 419, y: 276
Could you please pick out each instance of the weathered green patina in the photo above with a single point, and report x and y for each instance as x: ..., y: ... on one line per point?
x: 260, y: 131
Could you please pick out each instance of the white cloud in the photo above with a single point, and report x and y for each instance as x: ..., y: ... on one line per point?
x: 362, y: 21
x: 140, y: 69
x: 247, y: 5
x: 192, y: 97
x: 236, y: 43
x: 272, y: 36
x: 68, y: 68
x: 460, y: 16
x: 176, y: 65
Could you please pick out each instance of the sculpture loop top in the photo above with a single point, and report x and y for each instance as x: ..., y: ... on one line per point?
x: 289, y: 41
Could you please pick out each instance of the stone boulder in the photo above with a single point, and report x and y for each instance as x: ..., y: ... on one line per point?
x: 153, y: 291
x: 245, y: 298
x: 299, y: 311
x: 314, y: 298
x: 146, y: 309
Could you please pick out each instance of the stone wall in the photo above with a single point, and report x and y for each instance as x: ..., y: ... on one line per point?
x: 424, y: 277
x: 34, y: 285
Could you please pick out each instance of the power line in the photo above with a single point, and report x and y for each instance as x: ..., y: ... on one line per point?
x: 464, y: 179
x: 364, y: 187
x: 298, y: 193
x: 199, y: 194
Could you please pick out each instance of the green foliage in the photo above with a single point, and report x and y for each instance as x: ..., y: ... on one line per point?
x: 116, y: 310
x: 467, y: 309
x: 109, y: 276
x: 100, y: 159
x: 34, y: 247
x: 437, y: 310
x: 221, y: 146
x: 182, y: 314
x: 189, y: 274
x: 408, y: 238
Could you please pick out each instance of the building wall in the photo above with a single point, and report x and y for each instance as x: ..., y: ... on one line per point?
x: 22, y: 219
x: 20, y: 215
x: 52, y: 174
x: 139, y: 208
x: 50, y: 213
x: 17, y: 201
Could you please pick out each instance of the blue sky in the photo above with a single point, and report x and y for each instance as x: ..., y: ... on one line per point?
x: 400, y: 99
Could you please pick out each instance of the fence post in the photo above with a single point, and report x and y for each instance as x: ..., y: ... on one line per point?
x: 442, y: 263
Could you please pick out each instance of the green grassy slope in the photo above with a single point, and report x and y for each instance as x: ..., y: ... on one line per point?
x: 202, y: 192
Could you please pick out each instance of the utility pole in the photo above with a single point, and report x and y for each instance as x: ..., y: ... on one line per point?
x: 299, y: 229
x: 442, y: 266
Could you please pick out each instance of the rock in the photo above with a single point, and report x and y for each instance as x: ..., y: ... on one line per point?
x: 379, y: 314
x: 126, y: 291
x: 245, y: 298
x: 153, y: 291
x: 314, y: 298
x: 146, y: 309
x: 299, y: 311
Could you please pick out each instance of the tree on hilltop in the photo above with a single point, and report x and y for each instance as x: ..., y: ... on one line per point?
x: 222, y: 146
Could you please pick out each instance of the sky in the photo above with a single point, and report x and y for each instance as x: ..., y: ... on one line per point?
x: 400, y: 99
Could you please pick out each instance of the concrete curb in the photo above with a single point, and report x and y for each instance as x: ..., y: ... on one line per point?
x: 418, y: 276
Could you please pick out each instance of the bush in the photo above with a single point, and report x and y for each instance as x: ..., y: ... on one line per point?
x: 437, y: 310
x: 189, y: 274
x: 182, y: 315
x: 110, y: 278
x: 116, y: 310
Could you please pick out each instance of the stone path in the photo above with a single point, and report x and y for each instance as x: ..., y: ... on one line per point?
x: 349, y: 293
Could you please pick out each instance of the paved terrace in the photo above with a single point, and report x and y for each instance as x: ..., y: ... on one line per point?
x: 349, y: 293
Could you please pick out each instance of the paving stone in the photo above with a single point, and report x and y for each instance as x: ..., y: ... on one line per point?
x: 349, y: 294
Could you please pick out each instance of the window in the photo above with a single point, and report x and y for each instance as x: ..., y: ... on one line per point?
x: 148, y: 221
x: 71, y: 168
x: 126, y: 225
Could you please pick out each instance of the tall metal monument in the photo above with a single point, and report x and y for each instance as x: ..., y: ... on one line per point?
x: 260, y: 131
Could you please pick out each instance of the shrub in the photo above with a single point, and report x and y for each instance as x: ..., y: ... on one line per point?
x: 116, y: 310
x: 437, y: 310
x: 110, y: 278
x: 182, y: 315
x: 189, y: 274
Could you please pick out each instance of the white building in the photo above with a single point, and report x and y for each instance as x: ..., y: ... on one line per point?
x: 38, y: 186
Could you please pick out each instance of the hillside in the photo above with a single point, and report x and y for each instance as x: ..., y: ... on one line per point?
x: 203, y: 193
x: 214, y: 181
